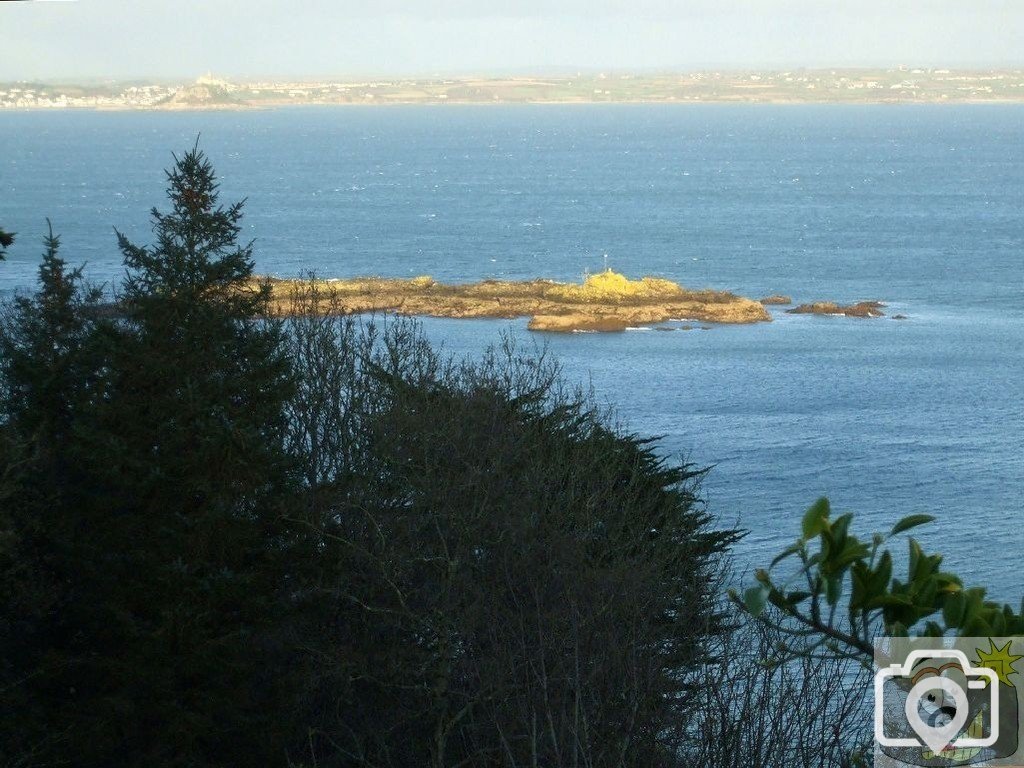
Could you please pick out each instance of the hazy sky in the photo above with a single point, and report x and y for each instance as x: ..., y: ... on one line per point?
x: 164, y: 38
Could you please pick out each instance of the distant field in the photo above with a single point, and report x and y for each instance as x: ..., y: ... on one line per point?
x: 798, y: 86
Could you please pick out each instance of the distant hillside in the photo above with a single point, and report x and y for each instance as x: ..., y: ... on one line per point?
x: 202, y: 96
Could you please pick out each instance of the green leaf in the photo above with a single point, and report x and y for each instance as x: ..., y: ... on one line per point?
x: 927, y: 598
x: 754, y: 599
x: 975, y: 627
x: 840, y: 528
x: 954, y: 609
x: 911, y: 521
x: 921, y: 566
x: 816, y: 518
x: 858, y: 585
x: 792, y: 549
x: 882, y: 574
x: 882, y: 601
x: 852, y: 551
x: 998, y: 624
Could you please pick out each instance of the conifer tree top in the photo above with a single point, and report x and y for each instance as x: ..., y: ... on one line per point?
x: 6, y: 240
x: 196, y: 243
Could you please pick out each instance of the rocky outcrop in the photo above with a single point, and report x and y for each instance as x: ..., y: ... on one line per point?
x: 776, y: 298
x: 603, y: 302
x: 579, y: 322
x: 860, y: 309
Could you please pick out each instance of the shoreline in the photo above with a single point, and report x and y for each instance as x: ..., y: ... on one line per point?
x: 539, y: 102
x: 842, y: 85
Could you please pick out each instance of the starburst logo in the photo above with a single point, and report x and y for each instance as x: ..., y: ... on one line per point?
x: 999, y: 660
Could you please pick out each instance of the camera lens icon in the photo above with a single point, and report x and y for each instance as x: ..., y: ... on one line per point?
x: 937, y: 707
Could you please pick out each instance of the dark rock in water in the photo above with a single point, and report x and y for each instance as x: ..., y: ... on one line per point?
x: 705, y: 327
x: 860, y: 309
x: 664, y: 328
x: 686, y: 328
x: 776, y: 298
x: 899, y: 317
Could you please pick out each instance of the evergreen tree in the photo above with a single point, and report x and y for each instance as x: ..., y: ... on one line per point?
x: 165, y: 536
x: 46, y: 372
x: 201, y: 374
x: 481, y: 571
x: 188, y: 445
x: 41, y: 349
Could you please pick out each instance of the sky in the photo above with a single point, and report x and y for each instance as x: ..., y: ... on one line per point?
x: 124, y: 39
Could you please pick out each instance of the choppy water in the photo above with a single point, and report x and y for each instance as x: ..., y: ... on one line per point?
x: 922, y: 207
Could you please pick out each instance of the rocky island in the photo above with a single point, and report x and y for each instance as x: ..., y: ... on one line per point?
x: 776, y: 299
x: 607, y: 301
x: 860, y: 309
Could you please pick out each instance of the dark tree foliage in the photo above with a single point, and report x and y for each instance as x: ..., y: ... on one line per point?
x: 512, y: 580
x: 45, y: 375
x: 165, y: 535
x: 233, y: 536
x: 6, y: 241
x: 186, y: 449
x: 42, y: 351
x: 534, y: 583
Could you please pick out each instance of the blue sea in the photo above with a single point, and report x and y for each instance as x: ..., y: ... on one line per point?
x: 919, y: 206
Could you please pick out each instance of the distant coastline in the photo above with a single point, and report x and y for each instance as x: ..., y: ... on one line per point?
x: 833, y: 86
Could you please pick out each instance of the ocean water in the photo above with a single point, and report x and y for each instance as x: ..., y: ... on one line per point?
x: 919, y: 206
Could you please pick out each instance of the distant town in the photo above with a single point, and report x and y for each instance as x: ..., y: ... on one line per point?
x: 901, y: 85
